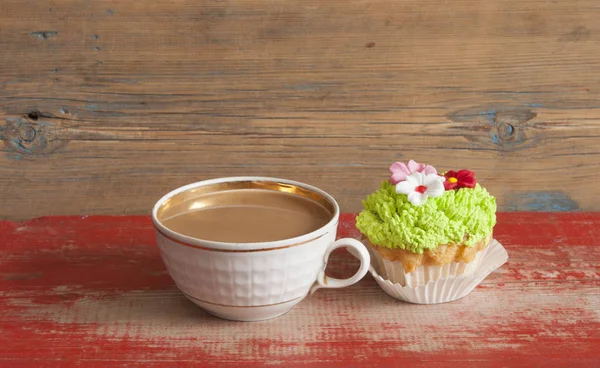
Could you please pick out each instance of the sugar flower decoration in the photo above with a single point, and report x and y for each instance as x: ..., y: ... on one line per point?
x: 460, y: 179
x: 400, y: 171
x: 419, y: 186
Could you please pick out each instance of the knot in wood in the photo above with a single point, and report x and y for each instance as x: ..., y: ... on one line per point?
x: 27, y: 133
x: 503, y: 128
x: 31, y: 134
x: 506, y: 131
x: 512, y: 129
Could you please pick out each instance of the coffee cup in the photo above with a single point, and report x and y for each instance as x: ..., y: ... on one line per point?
x: 251, y: 248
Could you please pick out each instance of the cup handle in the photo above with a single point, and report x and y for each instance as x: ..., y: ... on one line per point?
x: 357, y: 249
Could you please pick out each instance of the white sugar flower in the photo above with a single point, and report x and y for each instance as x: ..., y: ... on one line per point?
x: 419, y: 187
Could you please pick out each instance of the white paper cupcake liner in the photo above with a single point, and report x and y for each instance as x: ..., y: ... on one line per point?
x: 443, y: 283
x: 395, y: 272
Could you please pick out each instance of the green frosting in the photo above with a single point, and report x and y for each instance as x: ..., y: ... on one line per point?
x: 390, y: 220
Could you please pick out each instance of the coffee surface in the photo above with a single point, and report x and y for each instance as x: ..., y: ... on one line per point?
x: 248, y: 216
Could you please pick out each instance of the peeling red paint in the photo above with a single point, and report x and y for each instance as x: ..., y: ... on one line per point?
x: 93, y: 292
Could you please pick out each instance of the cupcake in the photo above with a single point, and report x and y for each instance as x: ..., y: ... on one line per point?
x: 422, y: 226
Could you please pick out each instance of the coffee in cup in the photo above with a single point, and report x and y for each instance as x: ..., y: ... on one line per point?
x: 250, y: 248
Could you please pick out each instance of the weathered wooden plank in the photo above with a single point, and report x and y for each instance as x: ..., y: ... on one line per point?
x: 92, y: 291
x: 105, y: 106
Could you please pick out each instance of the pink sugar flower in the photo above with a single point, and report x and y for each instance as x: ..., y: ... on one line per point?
x: 400, y: 171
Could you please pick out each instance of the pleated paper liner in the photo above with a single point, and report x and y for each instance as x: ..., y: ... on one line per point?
x: 394, y: 271
x: 437, y: 284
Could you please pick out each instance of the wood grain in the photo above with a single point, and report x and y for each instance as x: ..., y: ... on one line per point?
x: 107, y: 105
x: 93, y: 292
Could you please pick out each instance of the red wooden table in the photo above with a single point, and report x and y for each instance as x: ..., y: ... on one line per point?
x: 92, y: 291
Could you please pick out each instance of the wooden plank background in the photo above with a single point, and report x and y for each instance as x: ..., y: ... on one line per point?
x: 106, y: 105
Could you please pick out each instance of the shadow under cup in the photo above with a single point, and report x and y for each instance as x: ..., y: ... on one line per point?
x: 250, y: 281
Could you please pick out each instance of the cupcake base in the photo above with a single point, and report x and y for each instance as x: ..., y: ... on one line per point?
x: 439, y: 284
x: 394, y: 263
x: 395, y: 269
x: 395, y: 272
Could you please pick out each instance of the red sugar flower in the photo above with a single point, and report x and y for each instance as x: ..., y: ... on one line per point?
x: 461, y: 179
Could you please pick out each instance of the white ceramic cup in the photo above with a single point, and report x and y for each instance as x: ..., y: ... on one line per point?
x: 251, y: 281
